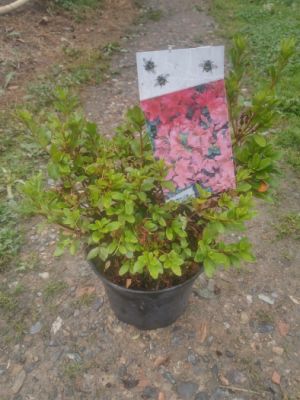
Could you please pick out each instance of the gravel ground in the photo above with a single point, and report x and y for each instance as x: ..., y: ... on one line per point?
x: 239, y: 338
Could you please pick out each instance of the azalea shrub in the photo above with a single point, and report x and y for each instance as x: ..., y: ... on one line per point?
x: 109, y: 193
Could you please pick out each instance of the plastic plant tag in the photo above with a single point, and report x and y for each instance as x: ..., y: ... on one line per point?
x: 182, y: 94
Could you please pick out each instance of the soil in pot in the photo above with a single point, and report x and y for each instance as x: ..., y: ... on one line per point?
x: 149, y: 309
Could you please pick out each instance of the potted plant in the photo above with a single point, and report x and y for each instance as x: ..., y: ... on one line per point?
x: 107, y: 195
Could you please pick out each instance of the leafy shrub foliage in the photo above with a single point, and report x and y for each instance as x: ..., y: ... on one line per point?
x: 108, y: 192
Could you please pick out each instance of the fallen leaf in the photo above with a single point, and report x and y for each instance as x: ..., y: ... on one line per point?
x: 283, y: 328
x: 263, y: 187
x: 128, y: 283
x: 276, y: 378
x: 202, y: 332
x: 161, y: 396
x: 160, y: 360
x: 85, y: 291
x: 223, y: 380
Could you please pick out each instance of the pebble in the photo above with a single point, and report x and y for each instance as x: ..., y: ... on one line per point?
x: 278, y: 350
x: 244, y: 318
x: 97, y: 304
x: 44, y: 275
x: 187, y: 390
x: 18, y: 383
x: 74, y: 357
x: 220, y: 394
x: 236, y: 377
x: 229, y: 354
x: 262, y: 327
x: 169, y: 377
x: 204, y: 293
x: 36, y: 328
x: 266, y: 299
x: 193, y: 358
x: 202, y: 396
x: 57, y: 324
x: 150, y: 392
x: 249, y: 299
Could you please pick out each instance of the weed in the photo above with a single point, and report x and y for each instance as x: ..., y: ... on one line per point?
x: 54, y: 288
x: 86, y: 299
x: 150, y: 14
x: 72, y: 370
x: 289, y: 225
x: 29, y: 264
x: 7, y: 302
x: 264, y: 317
x: 10, y: 237
x: 111, y: 48
x: 78, y: 5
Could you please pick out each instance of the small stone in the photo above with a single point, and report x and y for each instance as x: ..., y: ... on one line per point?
x: 220, y: 394
x: 161, y: 396
x: 98, y: 304
x: 150, y: 392
x: 57, y: 324
x: 44, y: 275
x: 204, y: 293
x: 36, y: 328
x: 278, y: 350
x: 74, y: 357
x: 187, y: 390
x: 130, y: 382
x: 244, y: 318
x: 193, y: 358
x: 229, y: 354
x: 236, y: 377
x: 276, y: 378
x: 19, y: 382
x: 202, y: 396
x: 249, y: 299
x: 161, y: 360
x: 283, y: 328
x: 266, y: 299
x: 262, y: 327
x: 76, y: 313
x: 169, y: 377
x: 223, y: 380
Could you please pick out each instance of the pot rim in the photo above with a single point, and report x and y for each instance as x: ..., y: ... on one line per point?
x: 128, y: 290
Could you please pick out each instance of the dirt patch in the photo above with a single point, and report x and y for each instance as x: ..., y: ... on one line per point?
x: 38, y: 36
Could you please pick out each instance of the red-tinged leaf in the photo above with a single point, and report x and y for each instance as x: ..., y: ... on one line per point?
x: 263, y: 187
x: 276, y: 378
x: 283, y: 328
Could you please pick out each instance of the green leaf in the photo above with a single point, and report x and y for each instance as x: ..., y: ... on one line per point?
x: 103, y: 253
x: 59, y: 251
x: 124, y: 269
x: 155, y: 268
x: 260, y: 140
x: 139, y: 264
x: 209, y: 267
x: 176, y: 270
x: 169, y: 233
x: 265, y: 163
x: 220, y: 258
x: 93, y: 253
x: 244, y: 187
x: 112, y: 226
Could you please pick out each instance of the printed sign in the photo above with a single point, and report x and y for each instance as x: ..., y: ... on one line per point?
x: 183, y: 97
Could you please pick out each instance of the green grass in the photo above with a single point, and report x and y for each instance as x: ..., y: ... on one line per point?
x: 78, y: 5
x: 289, y: 226
x: 10, y: 235
x: 53, y: 289
x: 265, y: 24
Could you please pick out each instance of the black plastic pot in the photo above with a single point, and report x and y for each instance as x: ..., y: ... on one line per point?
x: 147, y: 309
